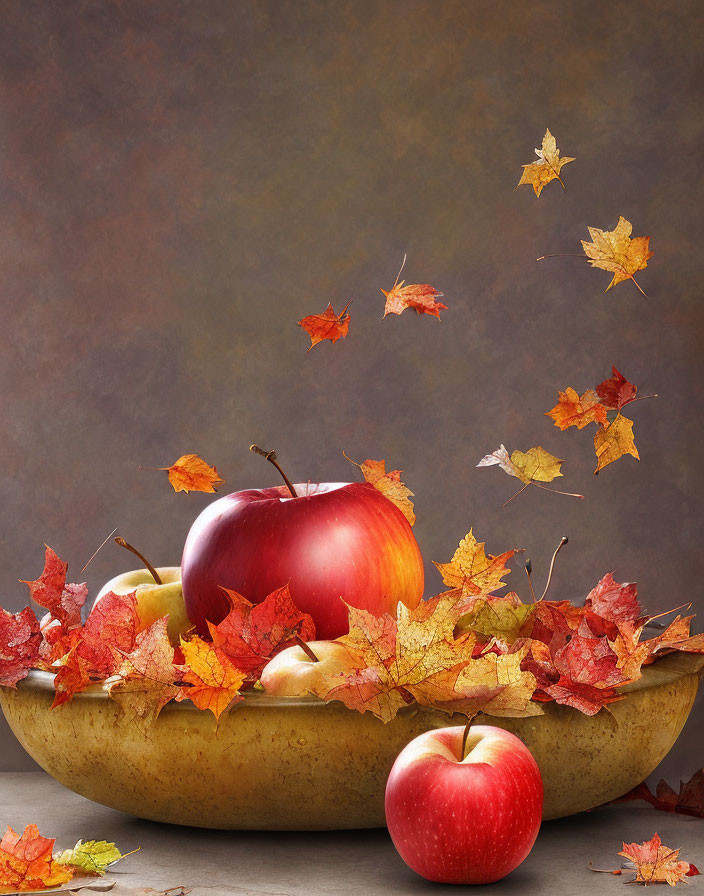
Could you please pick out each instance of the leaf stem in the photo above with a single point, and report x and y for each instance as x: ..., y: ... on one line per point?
x: 529, y: 570
x: 100, y: 546
x: 563, y: 542
x: 271, y: 457
x: 638, y: 398
x: 555, y: 491
x: 154, y: 574
x: 306, y: 649
x: 519, y: 492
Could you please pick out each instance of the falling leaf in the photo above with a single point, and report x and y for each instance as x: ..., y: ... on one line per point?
x: 191, y: 473
x: 20, y: 639
x: 50, y: 591
x: 577, y: 410
x: 416, y: 656
x: 616, y: 391
x: 655, y: 863
x: 422, y: 298
x: 616, y: 252
x: 547, y: 168
x: 327, y: 325
x: 389, y: 484
x: 471, y: 571
x: 613, y: 441
x: 91, y: 856
x: 27, y: 863
x: 251, y: 634
x: 146, y: 679
x: 536, y: 464
x: 212, y: 682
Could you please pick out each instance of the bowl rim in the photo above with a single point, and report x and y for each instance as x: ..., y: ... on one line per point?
x: 663, y: 671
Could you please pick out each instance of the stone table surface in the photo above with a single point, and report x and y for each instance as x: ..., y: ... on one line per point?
x: 336, y: 863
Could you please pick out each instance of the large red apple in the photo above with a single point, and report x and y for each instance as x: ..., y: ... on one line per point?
x: 464, y: 821
x: 334, y: 542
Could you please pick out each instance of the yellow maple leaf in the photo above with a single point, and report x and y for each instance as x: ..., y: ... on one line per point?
x: 497, y: 617
x: 471, y: 571
x: 547, y: 168
x: 416, y: 656
x: 389, y: 484
x: 573, y: 409
x: 616, y: 252
x: 613, y: 441
x: 214, y: 682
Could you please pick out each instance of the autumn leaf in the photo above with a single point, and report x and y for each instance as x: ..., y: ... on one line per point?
x: 27, y: 863
x: 577, y: 410
x: 146, y: 679
x: 616, y: 252
x: 616, y: 392
x: 91, y: 856
x: 72, y: 677
x: 191, y: 473
x: 613, y: 441
x: 20, y: 639
x: 251, y: 634
x: 109, y: 633
x: 327, y: 325
x: 471, y: 571
x: 503, y: 618
x: 655, y: 863
x: 389, y: 484
x: 532, y: 467
x: 417, y: 657
x: 547, y: 168
x: 63, y: 601
x: 212, y: 682
x: 614, y: 601
x: 421, y: 298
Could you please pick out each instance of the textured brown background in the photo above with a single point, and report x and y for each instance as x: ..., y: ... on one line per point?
x: 181, y: 182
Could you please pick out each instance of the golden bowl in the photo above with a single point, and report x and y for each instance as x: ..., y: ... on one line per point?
x: 296, y: 763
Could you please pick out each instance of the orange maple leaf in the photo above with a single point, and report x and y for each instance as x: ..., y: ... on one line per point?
x: 190, y: 473
x: 573, y: 409
x: 212, y: 681
x: 421, y: 297
x: 389, y: 484
x: 327, y: 325
x: 656, y: 863
x: 27, y: 863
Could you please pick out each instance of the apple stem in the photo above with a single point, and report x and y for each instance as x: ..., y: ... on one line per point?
x: 529, y: 570
x: 563, y: 542
x: 465, y: 735
x: 306, y: 649
x: 271, y: 457
x: 154, y: 574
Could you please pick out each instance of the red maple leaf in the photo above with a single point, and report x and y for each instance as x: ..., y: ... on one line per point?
x: 64, y: 601
x: 614, y: 602
x: 616, y: 392
x: 20, y: 638
x: 251, y: 634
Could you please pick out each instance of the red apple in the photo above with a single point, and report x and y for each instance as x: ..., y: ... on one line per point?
x: 334, y: 542
x: 464, y: 821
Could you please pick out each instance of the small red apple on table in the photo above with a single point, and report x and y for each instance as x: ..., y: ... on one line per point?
x: 468, y: 820
x: 332, y: 542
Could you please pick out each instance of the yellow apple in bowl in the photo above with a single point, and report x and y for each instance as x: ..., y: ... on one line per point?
x: 294, y: 672
x: 153, y: 600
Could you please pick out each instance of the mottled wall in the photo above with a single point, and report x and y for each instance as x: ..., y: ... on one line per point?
x: 181, y: 182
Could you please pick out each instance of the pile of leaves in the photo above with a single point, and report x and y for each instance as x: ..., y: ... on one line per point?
x: 465, y: 650
x: 28, y: 860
